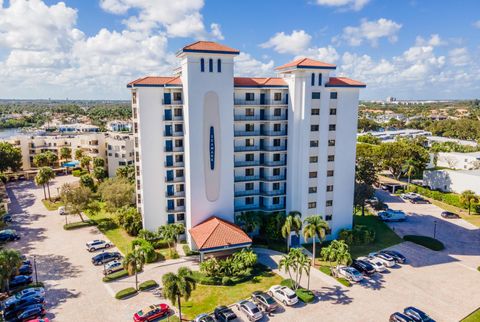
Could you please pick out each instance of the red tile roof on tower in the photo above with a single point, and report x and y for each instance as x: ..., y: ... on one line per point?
x: 156, y: 81
x: 209, y: 46
x: 238, y: 81
x: 344, y: 82
x: 215, y: 232
x: 259, y: 81
x: 306, y: 63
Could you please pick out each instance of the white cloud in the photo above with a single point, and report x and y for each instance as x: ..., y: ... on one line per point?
x: 371, y: 31
x: 295, y: 43
x: 459, y: 57
x: 476, y: 24
x: 326, y: 54
x: 434, y: 40
x: 216, y: 31
x: 349, y: 4
x: 246, y: 65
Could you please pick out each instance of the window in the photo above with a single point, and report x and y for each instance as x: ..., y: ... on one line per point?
x: 313, y: 143
x: 277, y: 127
x: 249, y: 142
x: 276, y: 157
x: 319, y: 79
x: 312, y: 80
x: 276, y: 142
x: 249, y: 200
x: 312, y: 174
x: 277, y: 112
x: 329, y: 203
x: 333, y: 95
x: 202, y: 65
x: 315, y: 111
x: 134, y: 97
x: 332, y: 127
x: 178, y: 143
x: 328, y: 217
x: 179, y: 158
x: 314, y: 159
x: 330, y: 173
x: 276, y: 171
x: 178, y: 127
x: 276, y: 186
x: 314, y: 128
x: 275, y: 200
x: 179, y: 173
x: 249, y: 172
x: 312, y: 189
x: 219, y: 65
x: 277, y: 96
x: 210, y: 65
x: 171, y: 218
x: 331, y: 142
x: 329, y: 188
x: 178, y: 112
x: 180, y: 217
x: 249, y: 96
x: 316, y: 95
x: 333, y: 111
x: 180, y: 202
x: 312, y: 205
x: 249, y: 127
x: 249, y: 112
x: 331, y: 158
x: 249, y: 186
x: 180, y: 187
x: 177, y: 96
x: 249, y: 157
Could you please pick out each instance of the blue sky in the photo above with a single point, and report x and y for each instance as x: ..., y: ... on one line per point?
x: 89, y: 49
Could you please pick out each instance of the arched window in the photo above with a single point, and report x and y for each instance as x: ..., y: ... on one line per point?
x: 313, y: 79
x: 202, y: 65
x: 319, y: 79
x: 219, y: 65
x: 210, y: 65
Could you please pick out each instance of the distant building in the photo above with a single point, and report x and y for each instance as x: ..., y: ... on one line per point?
x: 452, y: 180
x: 391, y: 135
x: 120, y: 151
x: 459, y: 161
x: 77, y: 128
x: 119, y: 126
x: 441, y: 139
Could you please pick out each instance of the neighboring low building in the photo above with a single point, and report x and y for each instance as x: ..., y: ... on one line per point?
x: 459, y: 161
x: 452, y: 180
x: 119, y: 126
x: 391, y: 135
x: 441, y: 139
x: 120, y: 151
x: 77, y: 128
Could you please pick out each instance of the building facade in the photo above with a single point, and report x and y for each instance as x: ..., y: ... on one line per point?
x: 208, y: 143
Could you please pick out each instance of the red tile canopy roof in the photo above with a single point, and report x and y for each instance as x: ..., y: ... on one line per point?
x: 209, y: 47
x: 259, y: 81
x: 218, y: 233
x: 344, y: 82
x: 306, y: 63
x: 156, y: 81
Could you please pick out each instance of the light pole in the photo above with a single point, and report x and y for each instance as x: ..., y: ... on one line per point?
x: 434, y: 228
x: 35, y: 268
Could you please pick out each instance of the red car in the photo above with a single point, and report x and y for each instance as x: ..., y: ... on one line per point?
x: 39, y: 320
x: 151, y: 312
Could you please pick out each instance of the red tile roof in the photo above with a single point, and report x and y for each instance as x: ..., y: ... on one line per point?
x: 238, y: 81
x: 215, y: 232
x: 209, y: 46
x: 156, y: 81
x: 259, y: 81
x: 306, y: 63
x: 344, y: 82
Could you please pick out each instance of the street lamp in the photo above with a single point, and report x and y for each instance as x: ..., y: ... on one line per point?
x: 434, y: 228
x: 35, y: 268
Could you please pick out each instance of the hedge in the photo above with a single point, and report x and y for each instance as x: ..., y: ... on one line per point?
x: 425, y: 241
x: 305, y: 296
x: 188, y: 251
x: 115, y: 276
x: 449, y: 198
x: 147, y: 285
x: 159, y: 244
x: 80, y: 224
x: 79, y: 173
x: 202, y: 278
x: 125, y: 293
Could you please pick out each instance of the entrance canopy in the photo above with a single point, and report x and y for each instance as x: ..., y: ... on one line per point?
x: 215, y: 234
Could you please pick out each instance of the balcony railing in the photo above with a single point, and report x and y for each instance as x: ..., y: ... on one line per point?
x: 241, y: 101
x: 175, y: 179
x: 273, y: 148
x: 174, y: 165
x: 275, y: 163
x: 246, y: 117
x: 273, y: 178
x: 246, y: 163
x: 274, y: 133
x: 246, y: 148
x: 246, y: 207
x: 174, y: 149
x: 172, y: 102
x: 246, y: 178
x: 273, y: 207
x: 266, y: 117
x: 175, y: 209
x: 273, y: 192
x: 244, y: 193
x: 172, y: 133
x: 247, y: 133
x: 175, y: 194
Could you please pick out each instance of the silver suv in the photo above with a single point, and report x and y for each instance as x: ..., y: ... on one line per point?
x: 97, y: 244
x: 250, y: 310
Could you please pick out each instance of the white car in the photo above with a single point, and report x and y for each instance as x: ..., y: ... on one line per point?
x: 61, y: 210
x: 386, y: 259
x: 392, y: 215
x: 113, y: 267
x: 375, y: 262
x: 349, y: 273
x: 97, y: 244
x: 284, y: 294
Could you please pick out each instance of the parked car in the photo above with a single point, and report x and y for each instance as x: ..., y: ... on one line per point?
x: 37, y: 291
x: 105, y: 257
x: 449, y: 215
x: 151, y: 313
x: 204, y: 318
x: 379, y: 267
x: 8, y: 235
x: 25, y: 270
x: 409, y: 195
x: 391, y: 215
x: 399, y: 258
x: 20, y: 280
x: 97, y: 244
x: 419, y: 200
x: 250, y: 310
x: 386, y: 259
x: 21, y: 306
x: 417, y: 315
x: 348, y: 273
x: 40, y: 320
x: 114, y: 266
x: 399, y: 317
x: 224, y: 314
x: 284, y: 294
x: 363, y: 267
x: 7, y: 218
x: 373, y: 201
x: 61, y: 210
x: 264, y: 301
x: 33, y: 312
x: 25, y: 261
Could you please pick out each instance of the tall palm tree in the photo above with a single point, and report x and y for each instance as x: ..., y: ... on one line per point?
x: 10, y: 261
x: 249, y: 221
x: 287, y: 263
x: 65, y: 153
x: 49, y: 175
x: 293, y: 222
x: 170, y: 233
x: 176, y: 286
x: 315, y: 227
x: 468, y: 197
x: 134, y: 262
x: 40, y: 180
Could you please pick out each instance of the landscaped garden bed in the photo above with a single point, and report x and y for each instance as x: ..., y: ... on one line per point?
x: 125, y: 293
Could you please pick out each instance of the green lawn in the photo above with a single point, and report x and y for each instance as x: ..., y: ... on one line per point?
x: 473, y: 317
x: 52, y: 205
x: 205, y: 298
x: 473, y: 219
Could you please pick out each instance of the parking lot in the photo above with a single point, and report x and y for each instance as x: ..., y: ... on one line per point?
x: 445, y: 284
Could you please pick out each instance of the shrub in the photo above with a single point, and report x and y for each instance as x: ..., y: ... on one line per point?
x: 159, y: 244
x: 79, y: 172
x: 130, y: 219
x: 173, y: 255
x: 115, y: 276
x: 146, y: 246
x: 305, y: 295
x: 288, y: 283
x: 425, y: 241
x: 226, y: 281
x: 359, y: 235
x: 147, y: 285
x: 80, y: 224
x: 125, y: 293
x: 188, y: 251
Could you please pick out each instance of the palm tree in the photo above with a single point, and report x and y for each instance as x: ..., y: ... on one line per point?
x: 315, y: 227
x: 85, y: 162
x: 297, y: 261
x: 287, y: 263
x: 337, y: 252
x: 293, y: 222
x: 169, y: 233
x: 467, y: 198
x: 78, y: 154
x: 249, y: 221
x: 134, y: 262
x: 10, y: 261
x: 176, y: 286
x: 40, y: 180
x: 65, y: 153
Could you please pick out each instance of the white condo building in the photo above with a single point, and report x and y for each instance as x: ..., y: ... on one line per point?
x: 209, y: 144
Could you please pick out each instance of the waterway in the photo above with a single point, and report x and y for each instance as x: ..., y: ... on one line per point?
x: 6, y: 134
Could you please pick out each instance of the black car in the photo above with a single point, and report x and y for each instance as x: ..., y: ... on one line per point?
x: 20, y: 280
x: 417, y: 315
x: 33, y: 312
x: 25, y: 269
x: 418, y: 200
x: 21, y: 306
x: 8, y: 235
x: 449, y: 215
x: 224, y: 314
x: 399, y: 258
x: 264, y: 301
x: 105, y: 258
x: 7, y: 218
x: 363, y: 267
x: 399, y: 317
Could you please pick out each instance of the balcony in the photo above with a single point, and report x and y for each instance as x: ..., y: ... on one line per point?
x: 172, y: 102
x: 247, y: 148
x: 260, y: 117
x: 275, y: 163
x: 274, y: 133
x: 246, y: 163
x: 273, y: 178
x: 247, y: 133
x: 273, y: 148
x: 275, y: 117
x: 246, y: 178
x: 173, y: 149
x: 244, y: 193
x: 177, y: 194
x: 273, y: 192
x: 174, y: 165
x: 245, y: 207
x: 241, y: 101
x: 175, y: 179
x: 272, y: 207
x: 175, y: 209
x: 170, y: 133
x: 246, y: 117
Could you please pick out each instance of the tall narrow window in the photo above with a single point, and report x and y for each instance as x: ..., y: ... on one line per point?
x: 319, y: 79
x: 219, y: 65
x: 210, y: 65
x: 313, y: 79
x: 202, y: 65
